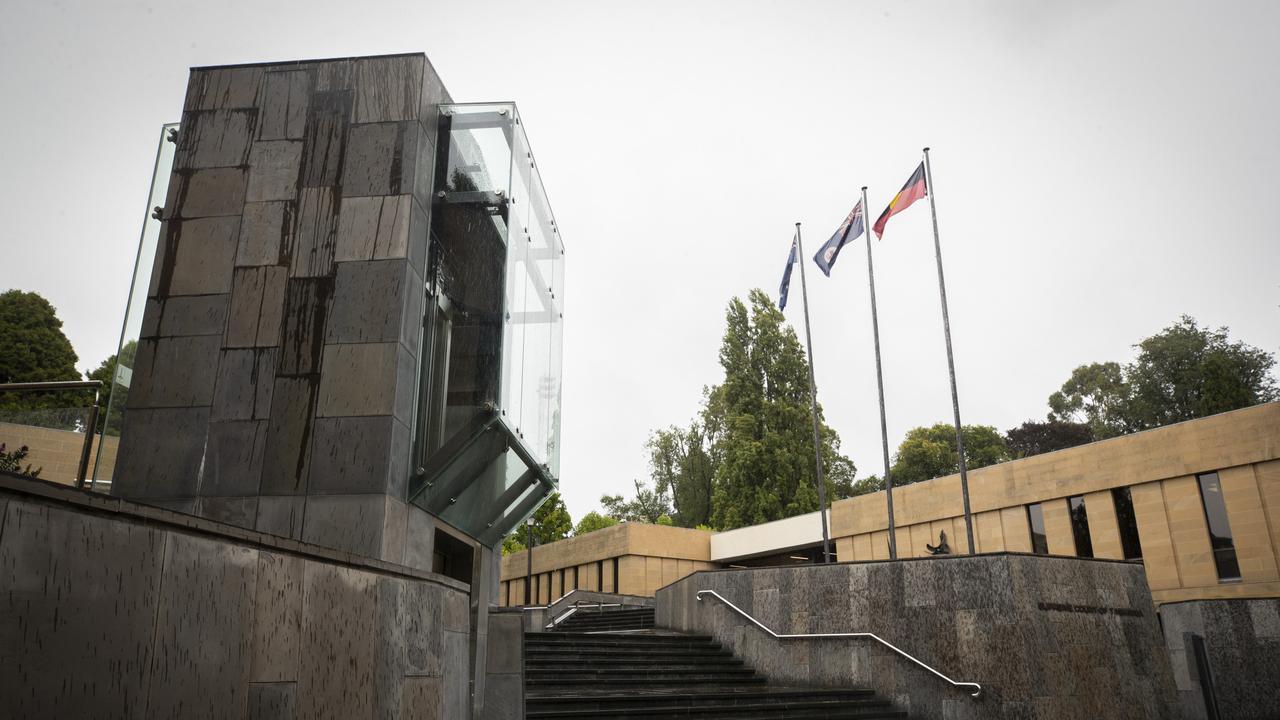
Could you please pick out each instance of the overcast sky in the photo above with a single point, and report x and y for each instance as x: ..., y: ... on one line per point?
x: 1100, y: 168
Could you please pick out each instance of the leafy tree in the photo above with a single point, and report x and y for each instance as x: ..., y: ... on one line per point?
x: 647, y: 505
x: 1096, y: 394
x: 11, y: 462
x: 1033, y: 438
x: 551, y: 522
x: 593, y: 521
x: 1181, y: 373
x: 681, y: 465
x: 34, y: 349
x: 930, y: 452
x: 113, y: 394
x: 1186, y: 372
x: 760, y: 420
x: 665, y: 520
x: 866, y: 486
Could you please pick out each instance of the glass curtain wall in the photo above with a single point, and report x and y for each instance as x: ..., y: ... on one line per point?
x: 111, y: 419
x: 488, y: 422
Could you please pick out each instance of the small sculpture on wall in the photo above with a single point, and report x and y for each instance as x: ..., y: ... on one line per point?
x: 941, y: 548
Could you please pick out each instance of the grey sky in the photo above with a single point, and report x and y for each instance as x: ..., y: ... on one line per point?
x: 1100, y: 168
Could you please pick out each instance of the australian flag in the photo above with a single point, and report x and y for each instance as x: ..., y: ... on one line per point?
x: 786, y: 277
x: 850, y: 229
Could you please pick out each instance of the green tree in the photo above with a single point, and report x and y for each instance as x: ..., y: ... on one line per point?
x: 1033, y: 438
x: 551, y: 522
x: 34, y: 349
x: 681, y: 466
x: 1186, y: 372
x: 593, y: 521
x: 1181, y: 373
x: 760, y: 420
x: 647, y: 506
x: 930, y: 452
x: 113, y: 394
x: 866, y: 486
x: 1097, y: 395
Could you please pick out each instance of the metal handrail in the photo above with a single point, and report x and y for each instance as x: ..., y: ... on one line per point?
x: 578, y: 605
x: 977, y: 692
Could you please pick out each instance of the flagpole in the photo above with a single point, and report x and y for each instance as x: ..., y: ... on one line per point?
x: 884, y: 432
x: 951, y: 363
x: 813, y: 404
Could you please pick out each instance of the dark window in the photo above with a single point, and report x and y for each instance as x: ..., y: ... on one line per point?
x: 599, y: 576
x: 1035, y: 519
x: 1080, y: 526
x: 537, y: 588
x: 575, y: 577
x: 1215, y: 513
x: 615, y: 576
x: 1128, y: 522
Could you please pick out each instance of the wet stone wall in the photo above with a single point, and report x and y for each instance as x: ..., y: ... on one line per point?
x: 1242, y: 647
x: 275, y: 374
x: 110, y: 609
x: 1046, y: 637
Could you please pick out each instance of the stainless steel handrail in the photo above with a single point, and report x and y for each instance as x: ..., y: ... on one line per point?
x: 977, y: 689
x: 578, y: 605
x: 91, y: 423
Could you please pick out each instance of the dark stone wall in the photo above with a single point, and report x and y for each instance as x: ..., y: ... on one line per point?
x: 109, y: 609
x: 1242, y: 641
x: 1046, y: 637
x: 275, y: 374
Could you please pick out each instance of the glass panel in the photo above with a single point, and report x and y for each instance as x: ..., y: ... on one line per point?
x: 1215, y: 513
x: 43, y: 442
x: 1035, y: 520
x: 1127, y: 519
x: 1080, y: 526
x: 115, y: 397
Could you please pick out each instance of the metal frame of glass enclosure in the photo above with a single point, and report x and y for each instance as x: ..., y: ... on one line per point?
x: 487, y: 430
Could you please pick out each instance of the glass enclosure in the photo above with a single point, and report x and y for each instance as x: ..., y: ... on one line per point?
x: 115, y: 397
x: 488, y: 423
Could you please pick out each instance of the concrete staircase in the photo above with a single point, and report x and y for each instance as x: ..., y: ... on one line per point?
x: 612, y: 664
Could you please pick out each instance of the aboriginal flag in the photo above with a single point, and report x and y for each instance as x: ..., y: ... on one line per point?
x: 911, y: 192
x: 850, y: 229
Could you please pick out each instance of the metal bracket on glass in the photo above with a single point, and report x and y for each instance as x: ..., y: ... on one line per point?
x: 974, y: 689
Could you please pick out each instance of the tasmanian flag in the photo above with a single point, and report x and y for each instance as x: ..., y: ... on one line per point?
x: 850, y: 229
x: 911, y: 192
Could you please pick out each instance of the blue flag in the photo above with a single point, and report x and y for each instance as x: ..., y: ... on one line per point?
x: 786, y: 277
x: 850, y: 229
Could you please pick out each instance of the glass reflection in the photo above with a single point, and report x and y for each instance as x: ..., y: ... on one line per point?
x: 1220, y: 536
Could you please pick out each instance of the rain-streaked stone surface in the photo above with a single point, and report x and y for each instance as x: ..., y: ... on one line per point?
x: 1045, y: 636
x: 110, y: 609
x: 1242, y: 640
x: 280, y: 347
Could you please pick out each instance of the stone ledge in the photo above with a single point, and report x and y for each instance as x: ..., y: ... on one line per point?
x: 56, y: 494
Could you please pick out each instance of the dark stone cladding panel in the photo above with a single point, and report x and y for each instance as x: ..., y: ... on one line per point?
x: 1032, y: 630
x: 1242, y: 641
x: 112, y: 608
x: 160, y: 452
x: 295, y: 233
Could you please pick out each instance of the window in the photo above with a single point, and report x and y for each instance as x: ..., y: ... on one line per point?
x: 599, y: 576
x: 1080, y: 526
x: 575, y: 577
x: 1128, y: 521
x: 1215, y: 514
x: 615, y: 576
x: 1035, y: 519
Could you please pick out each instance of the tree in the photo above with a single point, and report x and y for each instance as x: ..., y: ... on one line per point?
x: 592, y: 522
x: 1181, y: 373
x: 681, y: 466
x: 866, y: 486
x: 114, y: 395
x: 647, y: 505
x: 551, y: 522
x: 1186, y: 372
x: 759, y: 418
x: 34, y: 349
x: 1033, y: 438
x: 930, y: 452
x: 1095, y: 394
